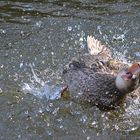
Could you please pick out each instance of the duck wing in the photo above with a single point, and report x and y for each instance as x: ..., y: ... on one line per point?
x: 95, y: 47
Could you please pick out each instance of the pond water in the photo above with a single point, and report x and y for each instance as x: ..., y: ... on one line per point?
x: 37, y: 38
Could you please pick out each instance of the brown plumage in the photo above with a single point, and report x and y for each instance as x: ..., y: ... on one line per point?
x: 98, y: 78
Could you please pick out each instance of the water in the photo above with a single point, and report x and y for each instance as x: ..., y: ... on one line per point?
x: 37, y: 38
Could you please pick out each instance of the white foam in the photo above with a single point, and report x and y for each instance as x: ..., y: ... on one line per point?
x: 40, y: 89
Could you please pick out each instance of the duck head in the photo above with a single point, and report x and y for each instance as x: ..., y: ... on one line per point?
x: 129, y: 79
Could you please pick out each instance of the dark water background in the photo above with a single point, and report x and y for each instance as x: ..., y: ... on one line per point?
x: 41, y: 36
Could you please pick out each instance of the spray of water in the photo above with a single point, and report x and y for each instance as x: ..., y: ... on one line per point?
x: 41, y: 89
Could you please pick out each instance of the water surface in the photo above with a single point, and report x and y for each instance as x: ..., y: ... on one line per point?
x: 37, y: 38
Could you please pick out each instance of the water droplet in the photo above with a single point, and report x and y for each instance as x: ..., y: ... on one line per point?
x: 80, y: 93
x: 2, y: 66
x: 48, y: 124
x: 55, y: 111
x: 103, y: 115
x: 137, y: 54
x: 93, y: 123
x: 2, y: 31
x: 81, y: 39
x: 0, y: 90
x: 69, y: 28
x: 39, y: 23
x: 27, y: 112
x: 99, y: 29
x: 40, y: 110
x: 83, y: 119
x: 21, y: 33
x: 21, y: 65
x: 133, y: 129
x: 49, y: 133
x: 116, y: 127
x: 119, y: 37
x: 10, y: 44
x: 61, y: 126
x: 52, y: 53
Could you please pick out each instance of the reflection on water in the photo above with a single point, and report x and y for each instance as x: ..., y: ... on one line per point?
x: 47, y: 34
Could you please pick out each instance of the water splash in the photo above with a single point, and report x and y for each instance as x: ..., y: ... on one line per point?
x: 38, y: 80
x: 119, y: 37
x: 40, y: 88
x: 48, y: 92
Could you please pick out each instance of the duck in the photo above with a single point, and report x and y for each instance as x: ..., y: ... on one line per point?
x: 99, y: 79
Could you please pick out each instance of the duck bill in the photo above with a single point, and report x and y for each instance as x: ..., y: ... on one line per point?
x: 134, y: 69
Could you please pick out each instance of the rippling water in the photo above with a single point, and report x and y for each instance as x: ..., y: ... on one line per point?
x: 37, y: 38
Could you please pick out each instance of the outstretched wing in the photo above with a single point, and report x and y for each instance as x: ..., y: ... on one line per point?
x: 95, y: 47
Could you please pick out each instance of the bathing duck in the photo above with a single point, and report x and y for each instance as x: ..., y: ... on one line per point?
x: 99, y: 79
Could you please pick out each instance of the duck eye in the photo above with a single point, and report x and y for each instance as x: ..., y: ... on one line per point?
x: 75, y: 64
x: 127, y: 76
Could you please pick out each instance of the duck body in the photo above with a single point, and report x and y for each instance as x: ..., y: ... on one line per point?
x: 92, y: 78
x: 93, y: 84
